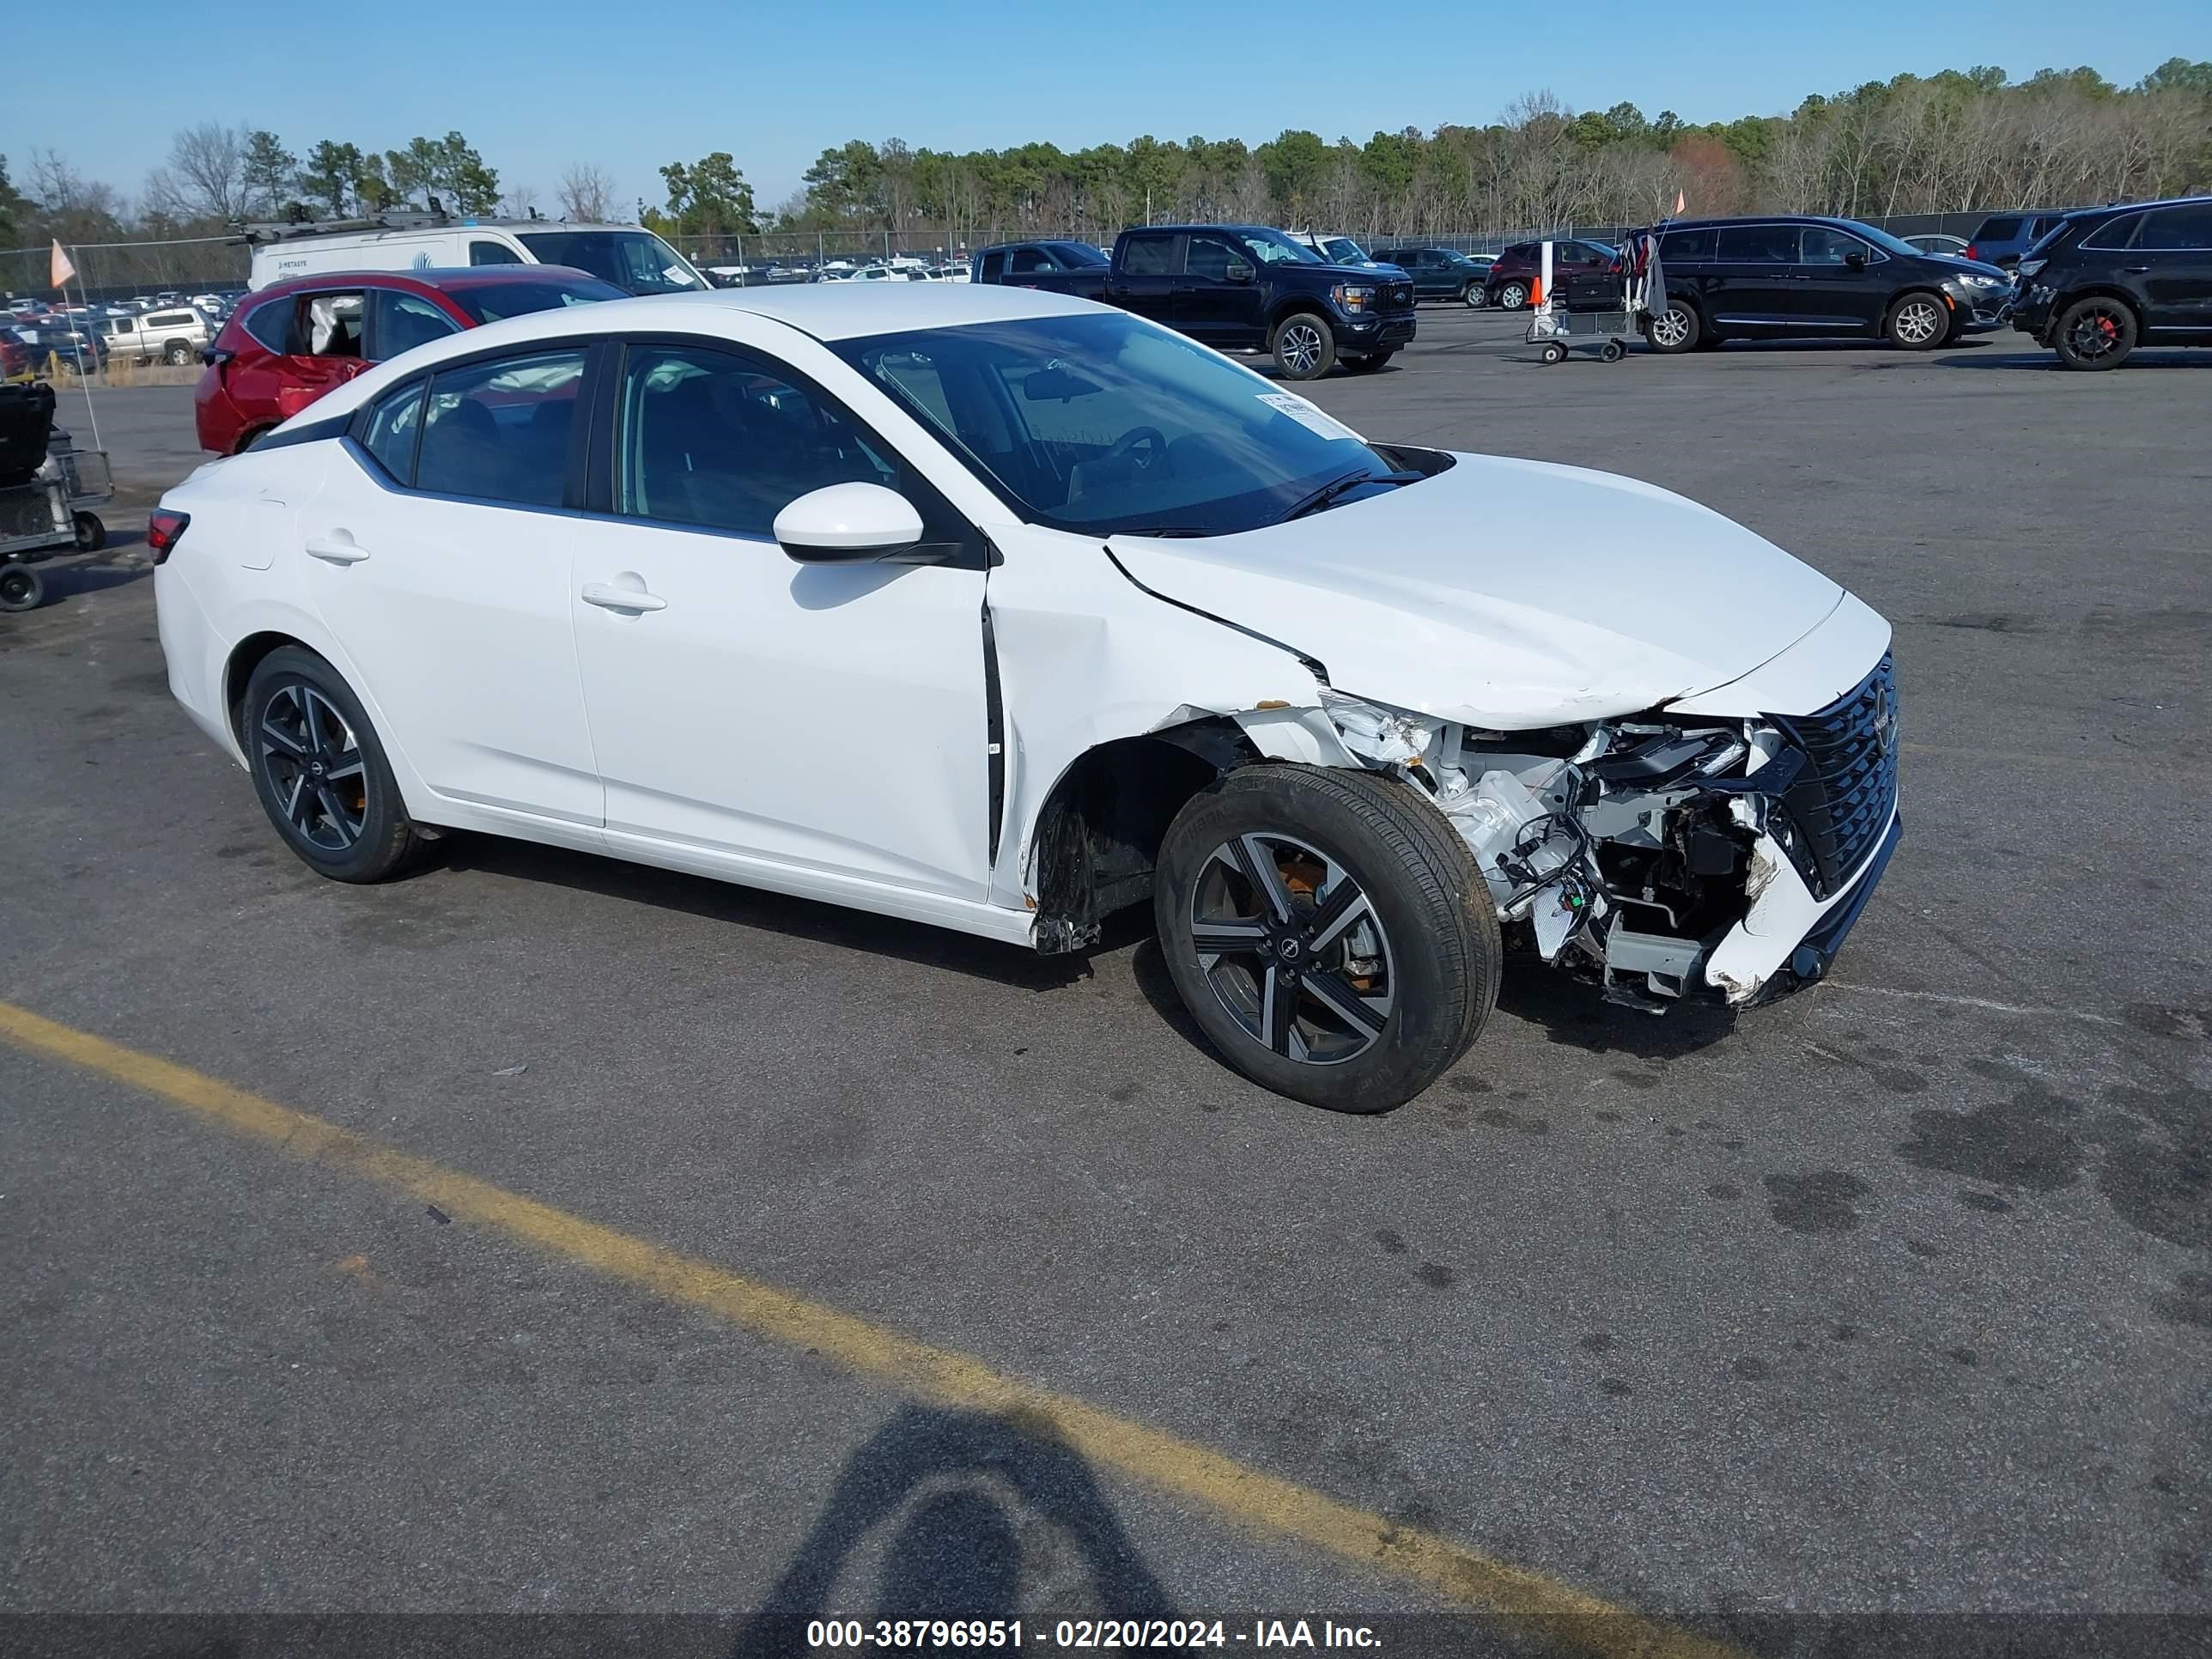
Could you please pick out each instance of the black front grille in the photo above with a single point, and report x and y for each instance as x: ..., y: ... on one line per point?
x: 1399, y: 294
x: 1843, y: 799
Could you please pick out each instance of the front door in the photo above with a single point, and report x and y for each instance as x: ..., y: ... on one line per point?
x: 828, y: 717
x: 441, y: 566
x: 1838, y: 287
x: 1218, y: 294
x: 1747, y: 284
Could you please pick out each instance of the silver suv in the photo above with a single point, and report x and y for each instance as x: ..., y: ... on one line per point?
x: 176, y: 335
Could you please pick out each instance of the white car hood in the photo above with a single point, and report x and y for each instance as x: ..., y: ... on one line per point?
x: 1504, y: 594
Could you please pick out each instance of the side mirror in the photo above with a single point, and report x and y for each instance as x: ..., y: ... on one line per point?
x: 1238, y: 272
x: 848, y: 524
x: 1856, y: 261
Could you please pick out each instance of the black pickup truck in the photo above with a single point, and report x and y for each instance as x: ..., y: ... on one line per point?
x: 1237, y: 288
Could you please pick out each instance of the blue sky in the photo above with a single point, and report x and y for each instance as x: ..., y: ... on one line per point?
x: 538, y: 86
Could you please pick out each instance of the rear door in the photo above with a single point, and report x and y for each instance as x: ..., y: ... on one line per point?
x: 2174, y: 252
x: 316, y: 340
x: 1146, y: 270
x: 1747, y: 284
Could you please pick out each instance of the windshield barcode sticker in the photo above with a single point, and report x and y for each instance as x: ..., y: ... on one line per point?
x: 1307, y: 416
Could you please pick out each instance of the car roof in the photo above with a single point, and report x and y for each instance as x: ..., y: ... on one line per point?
x: 432, y: 280
x: 839, y: 311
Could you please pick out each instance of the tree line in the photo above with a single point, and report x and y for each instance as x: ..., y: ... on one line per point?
x: 1958, y: 140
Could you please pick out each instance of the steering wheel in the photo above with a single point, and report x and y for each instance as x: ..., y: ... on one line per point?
x: 1150, y: 436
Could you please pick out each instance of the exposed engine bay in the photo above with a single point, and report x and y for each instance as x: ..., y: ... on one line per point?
x: 1631, y: 851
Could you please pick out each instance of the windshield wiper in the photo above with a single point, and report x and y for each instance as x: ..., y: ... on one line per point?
x: 1351, y: 481
x: 1164, y: 529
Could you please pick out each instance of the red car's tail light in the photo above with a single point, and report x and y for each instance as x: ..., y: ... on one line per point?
x: 164, y: 529
x: 1972, y: 252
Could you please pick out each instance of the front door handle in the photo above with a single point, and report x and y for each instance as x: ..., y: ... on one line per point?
x: 2136, y: 270
x: 337, y: 548
x: 608, y: 597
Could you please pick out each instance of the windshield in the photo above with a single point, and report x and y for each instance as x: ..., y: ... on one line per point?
x: 635, y: 261
x: 1273, y: 247
x: 1106, y: 423
x: 1881, y: 238
x: 495, y: 301
x: 1343, y: 251
x: 1079, y: 255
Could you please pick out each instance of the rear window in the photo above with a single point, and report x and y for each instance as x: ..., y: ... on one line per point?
x: 493, y: 301
x: 1149, y: 256
x: 1687, y: 244
x: 271, y: 325
x: 1997, y: 230
x: 2115, y: 232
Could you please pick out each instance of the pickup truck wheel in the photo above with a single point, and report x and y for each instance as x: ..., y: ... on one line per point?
x: 176, y: 354
x: 1513, y: 296
x: 1305, y: 346
x: 1328, y: 932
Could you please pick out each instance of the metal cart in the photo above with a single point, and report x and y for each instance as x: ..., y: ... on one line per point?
x: 52, y: 511
x: 1592, y: 312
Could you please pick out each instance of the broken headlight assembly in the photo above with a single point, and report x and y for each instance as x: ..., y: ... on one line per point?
x: 1621, y: 848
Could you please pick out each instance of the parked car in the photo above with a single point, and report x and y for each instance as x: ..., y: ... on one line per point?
x: 2108, y: 280
x: 1338, y: 250
x: 24, y: 309
x: 464, y: 620
x: 175, y: 336
x: 888, y: 274
x: 15, y: 355
x: 1935, y: 241
x: 633, y: 260
x: 2001, y: 237
x: 1247, y: 287
x: 296, y: 341
x: 1445, y: 273
x: 1802, y: 278
x: 1512, y: 277
x: 1008, y: 260
x: 49, y: 338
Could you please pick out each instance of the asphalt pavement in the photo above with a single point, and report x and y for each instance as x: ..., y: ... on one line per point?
x: 1895, y: 1299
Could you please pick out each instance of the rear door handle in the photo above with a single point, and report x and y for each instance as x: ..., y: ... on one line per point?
x: 339, y: 548
x: 2136, y: 270
x: 608, y: 597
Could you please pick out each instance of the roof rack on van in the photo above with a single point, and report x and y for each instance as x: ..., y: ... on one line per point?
x: 435, y: 217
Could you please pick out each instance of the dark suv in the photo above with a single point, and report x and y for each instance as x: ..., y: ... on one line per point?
x: 1793, y: 278
x: 1443, y: 273
x: 2001, y: 237
x: 2110, y: 279
x: 1512, y: 280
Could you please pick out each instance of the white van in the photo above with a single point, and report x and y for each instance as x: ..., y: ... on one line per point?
x: 633, y: 260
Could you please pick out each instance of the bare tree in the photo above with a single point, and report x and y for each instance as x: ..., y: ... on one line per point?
x: 205, y: 175
x: 587, y: 193
x: 520, y: 201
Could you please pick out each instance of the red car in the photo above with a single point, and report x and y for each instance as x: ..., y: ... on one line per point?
x: 1512, y: 280
x: 289, y: 344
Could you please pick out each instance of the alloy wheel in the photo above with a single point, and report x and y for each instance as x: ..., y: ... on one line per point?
x: 2093, y: 334
x: 1293, y: 948
x: 1512, y: 296
x: 1301, y: 346
x: 314, y: 764
x: 1920, y: 321
x: 1671, y: 327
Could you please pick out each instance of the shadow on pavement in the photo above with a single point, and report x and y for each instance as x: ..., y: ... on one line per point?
x: 2036, y: 358
x: 962, y: 1504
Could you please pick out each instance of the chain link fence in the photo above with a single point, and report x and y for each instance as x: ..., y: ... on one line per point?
x: 122, y: 270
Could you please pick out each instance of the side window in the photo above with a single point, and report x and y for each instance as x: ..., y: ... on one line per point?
x: 2116, y: 234
x: 169, y: 319
x: 1818, y: 245
x: 331, y: 323
x: 994, y: 264
x: 2177, y: 228
x: 393, y: 424
x: 404, y: 321
x: 1686, y: 244
x: 1759, y: 244
x: 1027, y: 259
x: 271, y: 325
x: 1149, y: 256
x: 500, y: 430
x: 493, y: 253
x: 713, y: 439
x: 1210, y: 257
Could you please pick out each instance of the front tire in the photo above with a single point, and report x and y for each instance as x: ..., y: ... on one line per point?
x: 1918, y: 322
x: 1305, y: 346
x: 1475, y: 298
x: 1328, y: 932
x: 2094, y: 333
x: 320, y: 771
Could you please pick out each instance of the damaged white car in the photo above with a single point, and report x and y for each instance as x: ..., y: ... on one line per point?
x: 999, y: 611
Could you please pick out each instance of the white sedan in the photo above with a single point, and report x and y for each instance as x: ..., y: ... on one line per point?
x: 988, y: 608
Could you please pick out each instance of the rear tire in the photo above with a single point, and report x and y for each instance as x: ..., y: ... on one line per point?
x: 1304, y: 346
x: 1918, y: 322
x: 1357, y: 1015
x: 1512, y: 296
x: 91, y: 534
x: 1677, y: 329
x: 176, y: 354
x: 2094, y: 333
x: 320, y: 771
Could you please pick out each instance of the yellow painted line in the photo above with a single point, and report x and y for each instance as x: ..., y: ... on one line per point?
x: 1260, y: 1502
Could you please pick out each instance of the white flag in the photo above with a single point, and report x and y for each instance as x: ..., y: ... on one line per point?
x: 62, y: 270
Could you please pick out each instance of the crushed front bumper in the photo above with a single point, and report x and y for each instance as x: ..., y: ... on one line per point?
x: 1788, y: 939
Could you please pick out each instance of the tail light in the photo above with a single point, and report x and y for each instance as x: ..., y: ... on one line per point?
x: 1973, y: 253
x: 164, y: 529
